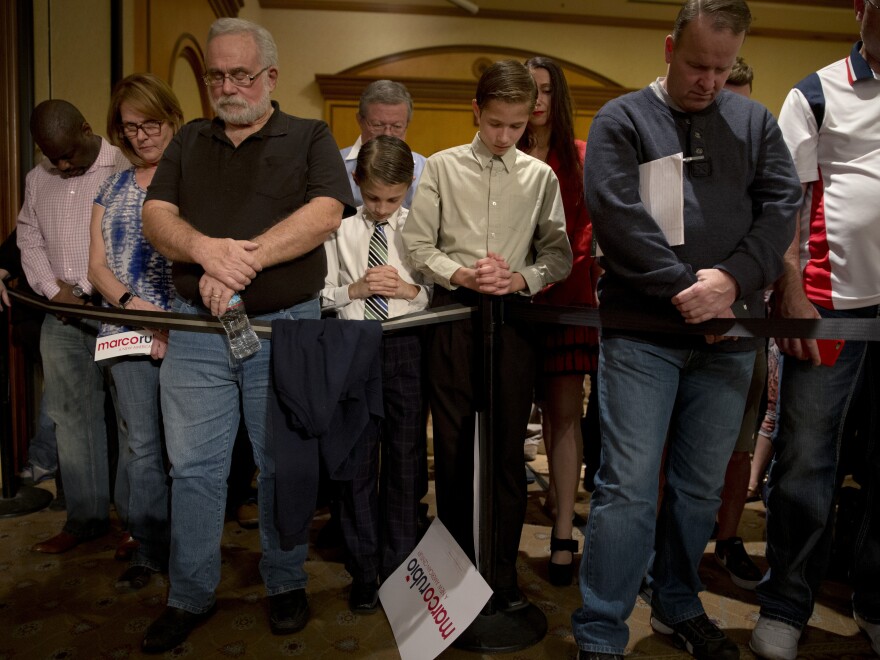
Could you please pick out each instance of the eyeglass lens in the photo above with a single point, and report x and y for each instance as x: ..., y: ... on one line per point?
x: 151, y: 128
x: 238, y: 77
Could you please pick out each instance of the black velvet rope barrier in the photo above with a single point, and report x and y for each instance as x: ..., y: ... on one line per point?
x: 848, y: 329
x: 197, y: 323
x: 492, y: 631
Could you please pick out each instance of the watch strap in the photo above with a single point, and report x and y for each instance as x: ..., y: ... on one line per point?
x: 125, y: 298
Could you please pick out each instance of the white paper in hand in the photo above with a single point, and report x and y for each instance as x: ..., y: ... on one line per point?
x: 433, y: 596
x: 661, y: 187
x: 661, y: 190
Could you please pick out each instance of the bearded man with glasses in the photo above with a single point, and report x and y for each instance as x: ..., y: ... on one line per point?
x: 242, y: 204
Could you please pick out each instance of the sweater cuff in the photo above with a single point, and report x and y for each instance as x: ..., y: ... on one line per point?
x: 745, y: 271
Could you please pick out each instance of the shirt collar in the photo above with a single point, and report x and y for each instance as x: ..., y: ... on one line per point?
x: 857, y: 68
x: 484, y: 156
x: 393, y: 219
x: 106, y: 158
x: 355, y: 149
x: 660, y: 90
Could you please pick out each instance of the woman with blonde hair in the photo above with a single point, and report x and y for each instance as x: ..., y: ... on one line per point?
x: 144, y: 115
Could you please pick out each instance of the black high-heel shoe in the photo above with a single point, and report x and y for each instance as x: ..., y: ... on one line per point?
x: 561, y: 574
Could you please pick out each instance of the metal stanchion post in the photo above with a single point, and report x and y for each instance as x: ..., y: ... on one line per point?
x: 494, y: 631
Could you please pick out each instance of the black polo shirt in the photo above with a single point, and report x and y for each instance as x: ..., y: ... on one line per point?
x: 225, y: 191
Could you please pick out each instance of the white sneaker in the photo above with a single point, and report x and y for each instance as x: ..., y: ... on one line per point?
x: 774, y: 640
x: 872, y: 630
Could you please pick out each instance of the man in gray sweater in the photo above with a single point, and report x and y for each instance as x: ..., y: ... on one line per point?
x: 702, y: 245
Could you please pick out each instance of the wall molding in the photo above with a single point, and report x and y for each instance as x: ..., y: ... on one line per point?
x: 188, y: 49
x: 226, y: 8
x: 553, y: 17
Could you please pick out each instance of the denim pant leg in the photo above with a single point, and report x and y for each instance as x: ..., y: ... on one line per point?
x: 637, y: 387
x: 199, y: 392
x: 43, y: 448
x: 137, y: 396
x: 708, y: 414
x: 281, y: 570
x: 812, y: 410
x: 121, y: 487
x: 74, y: 398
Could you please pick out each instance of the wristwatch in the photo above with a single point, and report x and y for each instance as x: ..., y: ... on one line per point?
x: 79, y: 293
x: 125, y: 298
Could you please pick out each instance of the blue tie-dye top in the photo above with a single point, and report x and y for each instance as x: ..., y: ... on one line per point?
x: 131, y: 257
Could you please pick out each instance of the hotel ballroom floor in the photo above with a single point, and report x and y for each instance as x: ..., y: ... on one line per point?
x: 65, y: 607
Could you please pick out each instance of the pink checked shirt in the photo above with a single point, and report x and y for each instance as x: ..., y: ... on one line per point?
x: 53, y: 225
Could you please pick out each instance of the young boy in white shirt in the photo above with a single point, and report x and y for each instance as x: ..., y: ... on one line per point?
x: 369, y: 276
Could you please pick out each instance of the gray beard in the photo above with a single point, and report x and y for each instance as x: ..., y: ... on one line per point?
x: 237, y: 111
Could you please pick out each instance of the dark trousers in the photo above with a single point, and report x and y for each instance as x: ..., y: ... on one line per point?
x: 455, y: 384
x: 379, y: 515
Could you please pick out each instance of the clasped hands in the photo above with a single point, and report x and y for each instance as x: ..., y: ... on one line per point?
x: 382, y: 281
x: 490, y: 275
x: 230, y: 265
x: 710, y: 297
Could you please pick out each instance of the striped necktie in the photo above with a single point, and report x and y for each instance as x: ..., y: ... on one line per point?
x: 376, y: 307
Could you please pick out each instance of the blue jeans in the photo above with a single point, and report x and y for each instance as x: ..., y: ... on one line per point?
x: 43, y: 448
x: 814, y: 403
x: 648, y: 393
x: 121, y: 490
x: 203, y: 391
x: 137, y: 398
x: 74, y: 399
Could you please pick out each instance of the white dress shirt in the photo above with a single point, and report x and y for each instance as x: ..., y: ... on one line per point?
x: 347, y: 249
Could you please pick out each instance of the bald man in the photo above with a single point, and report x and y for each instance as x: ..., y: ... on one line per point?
x: 53, y: 235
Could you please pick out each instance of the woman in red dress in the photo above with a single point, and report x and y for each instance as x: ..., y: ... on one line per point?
x: 570, y: 352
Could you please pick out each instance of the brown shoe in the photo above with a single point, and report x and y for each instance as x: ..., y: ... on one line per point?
x: 126, y: 547
x: 248, y: 515
x: 59, y: 543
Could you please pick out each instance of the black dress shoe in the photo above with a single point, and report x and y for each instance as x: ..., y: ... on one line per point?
x: 172, y: 628
x: 364, y: 597
x: 288, y: 612
x: 510, y: 600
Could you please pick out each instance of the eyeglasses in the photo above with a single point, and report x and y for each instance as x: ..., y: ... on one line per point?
x: 873, y: 4
x: 378, y: 128
x: 238, y: 78
x: 151, y: 128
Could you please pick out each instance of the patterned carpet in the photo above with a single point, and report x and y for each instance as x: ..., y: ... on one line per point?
x: 66, y: 607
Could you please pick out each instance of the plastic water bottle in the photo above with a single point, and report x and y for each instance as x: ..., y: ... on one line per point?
x: 243, y: 341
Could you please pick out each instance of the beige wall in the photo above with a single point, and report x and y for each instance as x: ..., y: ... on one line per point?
x: 313, y: 42
x: 72, y: 55
x: 72, y: 43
